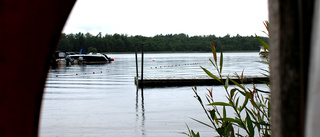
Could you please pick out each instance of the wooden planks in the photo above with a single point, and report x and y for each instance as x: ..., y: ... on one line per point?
x: 192, y: 81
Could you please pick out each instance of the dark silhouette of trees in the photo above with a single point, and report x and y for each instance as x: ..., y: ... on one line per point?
x: 159, y: 43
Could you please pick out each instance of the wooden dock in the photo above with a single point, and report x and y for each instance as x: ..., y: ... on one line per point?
x: 192, y: 81
x: 186, y: 80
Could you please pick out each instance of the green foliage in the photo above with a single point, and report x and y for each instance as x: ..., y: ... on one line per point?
x: 191, y: 133
x: 166, y: 43
x: 251, y: 114
x: 92, y: 49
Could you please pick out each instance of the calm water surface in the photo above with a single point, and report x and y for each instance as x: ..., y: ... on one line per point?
x: 102, y: 100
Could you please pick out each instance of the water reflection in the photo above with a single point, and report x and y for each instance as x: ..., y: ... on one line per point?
x: 142, y: 110
x: 78, y: 102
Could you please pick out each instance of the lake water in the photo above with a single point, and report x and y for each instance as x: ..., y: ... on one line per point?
x: 102, y: 100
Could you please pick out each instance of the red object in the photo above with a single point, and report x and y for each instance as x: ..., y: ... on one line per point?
x: 30, y: 30
x: 112, y: 59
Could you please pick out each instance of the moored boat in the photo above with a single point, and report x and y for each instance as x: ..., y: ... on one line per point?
x: 88, y: 59
x: 67, y: 58
x: 58, y: 58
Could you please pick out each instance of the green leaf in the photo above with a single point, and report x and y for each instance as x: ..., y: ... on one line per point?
x: 188, y: 130
x: 220, y: 104
x: 214, y: 53
x: 262, y: 123
x: 228, y: 129
x: 232, y: 91
x: 266, y: 75
x: 226, y: 83
x: 231, y: 120
x: 213, y: 63
x: 221, y: 131
x: 194, y: 135
x: 216, y: 119
x: 257, y: 115
x: 237, y: 101
x: 244, y: 103
x: 221, y: 60
x: 269, y: 109
x: 236, y: 83
x: 258, y: 126
x: 184, y: 133
x: 266, y: 133
x: 265, y: 45
x: 250, y: 126
x: 191, y: 133
x: 202, y: 123
x: 210, y: 74
x: 224, y: 113
x: 262, y: 105
x: 242, y: 75
x: 253, y: 115
x: 263, y: 91
x: 212, y: 113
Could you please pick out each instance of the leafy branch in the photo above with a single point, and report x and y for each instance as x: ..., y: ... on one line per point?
x: 251, y: 115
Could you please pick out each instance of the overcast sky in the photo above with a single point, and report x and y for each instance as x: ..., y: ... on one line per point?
x: 152, y: 17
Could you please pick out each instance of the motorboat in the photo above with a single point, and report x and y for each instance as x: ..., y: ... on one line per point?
x: 70, y: 58
x: 58, y: 58
x: 88, y: 59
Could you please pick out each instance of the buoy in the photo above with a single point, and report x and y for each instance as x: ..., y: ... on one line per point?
x: 93, y: 72
x: 56, y: 75
x: 76, y: 73
x: 153, y: 60
x: 101, y: 71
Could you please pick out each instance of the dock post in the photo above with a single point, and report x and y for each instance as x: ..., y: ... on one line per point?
x: 142, y: 63
x: 136, y: 62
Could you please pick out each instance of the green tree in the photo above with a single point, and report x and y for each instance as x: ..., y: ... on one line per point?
x: 92, y: 49
x: 169, y: 42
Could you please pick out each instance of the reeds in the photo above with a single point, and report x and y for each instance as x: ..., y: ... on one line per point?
x: 250, y: 106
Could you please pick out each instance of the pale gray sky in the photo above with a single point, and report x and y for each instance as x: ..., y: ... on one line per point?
x: 152, y: 17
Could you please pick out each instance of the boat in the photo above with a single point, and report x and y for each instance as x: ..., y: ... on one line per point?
x: 58, y: 58
x: 70, y: 58
x: 88, y: 59
x: 263, y: 52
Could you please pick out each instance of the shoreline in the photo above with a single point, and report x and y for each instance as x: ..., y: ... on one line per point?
x: 160, y: 52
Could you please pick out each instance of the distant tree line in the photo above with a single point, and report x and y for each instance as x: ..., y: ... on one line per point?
x: 159, y: 43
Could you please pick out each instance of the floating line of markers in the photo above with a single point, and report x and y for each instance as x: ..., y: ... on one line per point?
x: 176, y: 65
x: 76, y: 74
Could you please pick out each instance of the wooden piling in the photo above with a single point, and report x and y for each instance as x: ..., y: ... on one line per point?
x: 136, y: 61
x: 142, y: 64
